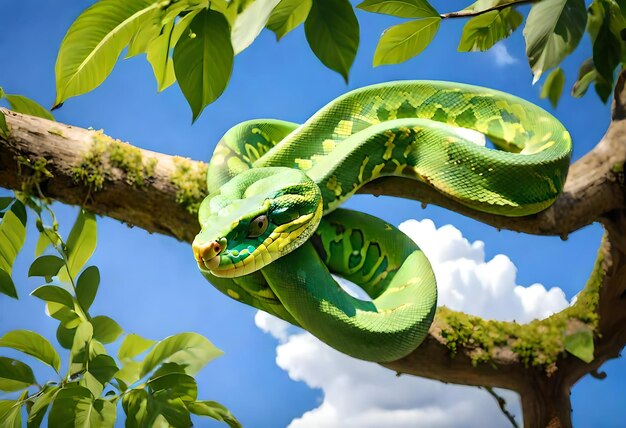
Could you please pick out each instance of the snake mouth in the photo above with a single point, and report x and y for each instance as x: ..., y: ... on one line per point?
x: 209, y: 264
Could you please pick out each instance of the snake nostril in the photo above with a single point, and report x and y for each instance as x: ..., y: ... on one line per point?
x: 217, y: 248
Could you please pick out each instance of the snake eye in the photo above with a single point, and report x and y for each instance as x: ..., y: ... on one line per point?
x: 258, y: 226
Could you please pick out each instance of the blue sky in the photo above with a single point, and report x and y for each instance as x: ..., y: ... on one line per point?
x: 150, y: 283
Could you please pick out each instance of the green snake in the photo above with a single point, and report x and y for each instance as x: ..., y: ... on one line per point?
x: 272, y: 233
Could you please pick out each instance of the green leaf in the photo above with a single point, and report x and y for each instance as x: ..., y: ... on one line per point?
x: 400, y: 8
x: 21, y: 104
x: 250, y: 22
x: 40, y: 405
x: 482, y: 32
x: 287, y: 15
x: 65, y: 336
x: 175, y: 385
x: 46, y: 266
x: 586, y: 75
x: 77, y: 404
x: 214, y: 410
x: 87, y: 287
x: 4, y: 128
x: 52, y: 293
x: 203, y: 63
x: 553, y: 30
x: 173, y: 410
x: 135, y: 405
x: 43, y: 242
x: 132, y: 346
x: 332, y: 32
x: 19, y: 210
x: 94, y: 42
x: 553, y: 87
x: 129, y: 374
x: 580, y: 344
x: 80, y: 346
x: 188, y: 349
x: 10, y: 414
x: 105, y: 329
x: 32, y: 344
x: 148, y: 29
x: 404, y: 41
x: 15, y: 375
x: 158, y: 53
x: 80, y: 244
x: 68, y: 317
x: 5, y: 201
x: 103, y: 368
x: 6, y: 284
x: 12, y: 237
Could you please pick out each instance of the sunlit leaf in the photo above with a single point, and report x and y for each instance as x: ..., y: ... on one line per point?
x: 203, y: 60
x: 94, y: 42
x: 250, y: 22
x: 10, y: 414
x: 32, y: 344
x: 87, y: 287
x: 15, y: 375
x: 214, y: 410
x: 78, y: 405
x: 332, y: 32
x: 553, y: 86
x: 129, y: 374
x: 580, y: 344
x: 80, y: 347
x: 135, y: 405
x: 404, y: 41
x: 103, y: 367
x: 287, y: 15
x: 189, y: 349
x: 132, y: 346
x: 52, y: 293
x: 46, y: 266
x: 400, y: 8
x: 80, y: 244
x: 586, y: 75
x: 481, y: 32
x: 175, y: 385
x: 40, y: 405
x: 12, y: 237
x: 68, y: 317
x: 148, y: 28
x: 44, y: 242
x: 105, y: 329
x: 22, y: 104
x: 6, y: 284
x: 553, y: 30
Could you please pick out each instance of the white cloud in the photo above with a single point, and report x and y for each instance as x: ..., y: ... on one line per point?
x: 501, y: 55
x: 361, y: 394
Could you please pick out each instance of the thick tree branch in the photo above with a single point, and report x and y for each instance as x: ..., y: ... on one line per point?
x: 158, y: 192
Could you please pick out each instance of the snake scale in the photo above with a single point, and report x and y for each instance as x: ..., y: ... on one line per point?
x: 273, y: 233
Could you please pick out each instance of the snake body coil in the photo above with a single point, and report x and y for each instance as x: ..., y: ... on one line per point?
x: 272, y: 234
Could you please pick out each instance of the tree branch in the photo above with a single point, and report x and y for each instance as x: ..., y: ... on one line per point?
x: 159, y: 192
x: 466, y: 13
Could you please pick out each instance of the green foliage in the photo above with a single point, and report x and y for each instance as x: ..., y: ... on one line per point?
x: 203, y: 60
x: 553, y: 30
x: 287, y: 15
x: 93, y: 43
x: 332, y: 31
x: 400, y: 8
x: 22, y: 104
x: 158, y: 389
x: 483, y: 31
x: 12, y: 238
x: 553, y: 86
x: 404, y: 41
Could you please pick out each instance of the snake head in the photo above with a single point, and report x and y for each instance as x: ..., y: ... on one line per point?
x: 255, y: 218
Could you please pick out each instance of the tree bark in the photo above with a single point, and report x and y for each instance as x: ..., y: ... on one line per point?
x: 56, y: 159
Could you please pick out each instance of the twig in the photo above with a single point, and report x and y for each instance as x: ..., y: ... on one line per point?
x: 470, y: 13
x: 502, y: 404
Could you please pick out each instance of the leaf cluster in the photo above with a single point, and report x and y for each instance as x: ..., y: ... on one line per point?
x: 153, y: 381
